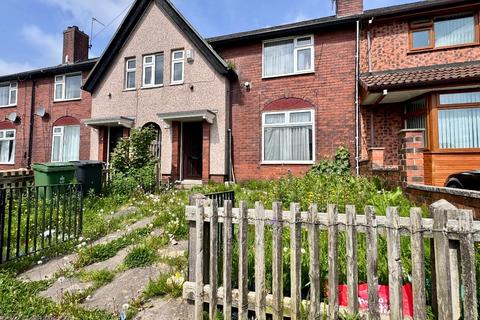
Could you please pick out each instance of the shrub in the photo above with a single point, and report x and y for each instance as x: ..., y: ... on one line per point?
x: 339, y: 165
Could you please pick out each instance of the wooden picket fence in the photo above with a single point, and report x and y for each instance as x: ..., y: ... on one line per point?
x: 206, y: 217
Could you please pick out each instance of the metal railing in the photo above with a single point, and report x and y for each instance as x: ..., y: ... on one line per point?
x: 36, y: 217
x: 222, y: 196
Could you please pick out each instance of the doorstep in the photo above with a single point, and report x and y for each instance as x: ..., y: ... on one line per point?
x: 188, y: 184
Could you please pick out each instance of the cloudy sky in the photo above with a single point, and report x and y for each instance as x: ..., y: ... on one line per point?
x: 32, y: 29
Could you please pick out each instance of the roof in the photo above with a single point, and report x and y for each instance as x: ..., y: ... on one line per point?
x: 127, y: 122
x: 421, y: 76
x: 206, y: 114
x: 128, y: 25
x: 332, y: 21
x: 61, y: 68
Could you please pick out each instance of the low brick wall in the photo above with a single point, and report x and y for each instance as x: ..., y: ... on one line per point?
x: 462, y: 199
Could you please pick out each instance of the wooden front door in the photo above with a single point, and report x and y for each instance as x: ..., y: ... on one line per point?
x: 192, y: 150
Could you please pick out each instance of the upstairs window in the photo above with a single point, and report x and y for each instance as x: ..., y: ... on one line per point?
x: 288, y: 137
x: 443, y: 32
x: 8, y: 94
x: 153, y: 70
x: 7, y: 146
x: 288, y: 56
x: 178, y: 64
x: 67, y: 87
x: 130, y: 73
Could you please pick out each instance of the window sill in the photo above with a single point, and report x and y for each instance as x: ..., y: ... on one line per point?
x: 289, y: 75
x: 9, y: 106
x: 67, y: 100
x: 177, y: 83
x: 130, y: 89
x: 426, y: 50
x: 7, y: 163
x: 152, y: 87
x: 287, y: 162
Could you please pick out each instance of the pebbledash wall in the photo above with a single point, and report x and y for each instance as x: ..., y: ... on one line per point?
x: 203, y: 88
x: 330, y: 91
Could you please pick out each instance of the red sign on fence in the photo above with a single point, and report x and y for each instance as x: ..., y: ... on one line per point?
x: 383, y: 298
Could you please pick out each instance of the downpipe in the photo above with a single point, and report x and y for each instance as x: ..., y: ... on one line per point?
x: 357, y: 101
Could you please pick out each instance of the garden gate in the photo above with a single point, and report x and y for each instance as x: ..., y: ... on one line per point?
x: 34, y: 218
x: 203, y: 287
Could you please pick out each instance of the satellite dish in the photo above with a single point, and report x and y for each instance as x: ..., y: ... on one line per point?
x: 41, y: 112
x: 12, y: 117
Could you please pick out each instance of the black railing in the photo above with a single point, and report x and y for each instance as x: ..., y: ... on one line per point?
x: 222, y: 196
x: 37, y: 217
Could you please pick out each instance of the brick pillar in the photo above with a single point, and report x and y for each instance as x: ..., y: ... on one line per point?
x: 377, y: 157
x: 175, y: 150
x: 206, y: 152
x: 411, y: 156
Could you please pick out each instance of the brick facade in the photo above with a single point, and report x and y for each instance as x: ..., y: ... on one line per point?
x: 330, y: 90
x: 75, y: 45
x: 411, y: 157
x: 42, y: 132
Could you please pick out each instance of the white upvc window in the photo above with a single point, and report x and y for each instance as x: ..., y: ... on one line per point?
x: 288, y: 56
x: 153, y: 70
x: 7, y: 146
x: 68, y: 87
x: 178, y: 65
x: 8, y: 94
x: 288, y: 137
x: 130, y: 73
x: 65, y: 143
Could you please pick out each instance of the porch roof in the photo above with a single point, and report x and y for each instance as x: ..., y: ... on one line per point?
x: 126, y: 122
x: 403, y: 84
x: 186, y: 116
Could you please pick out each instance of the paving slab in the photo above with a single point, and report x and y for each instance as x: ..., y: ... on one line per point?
x: 166, y: 309
x: 174, y: 251
x: 123, y: 232
x: 124, y: 288
x: 48, y: 269
x: 64, y: 285
x: 123, y: 213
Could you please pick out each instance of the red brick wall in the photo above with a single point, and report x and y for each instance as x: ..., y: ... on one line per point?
x: 330, y: 90
x: 387, y: 121
x: 205, y: 151
x: 390, y: 49
x: 75, y: 45
x: 42, y: 137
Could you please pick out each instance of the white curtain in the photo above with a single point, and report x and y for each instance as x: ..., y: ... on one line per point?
x: 56, y: 148
x: 4, y: 95
x: 460, y: 98
x: 454, y: 31
x: 304, y: 59
x: 6, y: 150
x: 278, y: 58
x: 459, y: 128
x: 73, y: 84
x: 71, y: 143
x: 288, y: 143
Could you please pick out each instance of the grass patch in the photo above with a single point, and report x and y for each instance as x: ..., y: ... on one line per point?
x: 179, y: 263
x: 140, y: 256
x: 98, y: 277
x: 170, y: 284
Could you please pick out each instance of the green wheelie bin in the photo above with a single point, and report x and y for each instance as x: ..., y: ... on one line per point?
x: 51, y: 176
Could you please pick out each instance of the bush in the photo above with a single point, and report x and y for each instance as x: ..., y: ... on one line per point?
x: 339, y: 165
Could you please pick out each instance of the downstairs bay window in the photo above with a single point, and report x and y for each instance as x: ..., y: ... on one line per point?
x: 7, y: 146
x: 459, y: 121
x: 288, y: 137
x: 65, y: 143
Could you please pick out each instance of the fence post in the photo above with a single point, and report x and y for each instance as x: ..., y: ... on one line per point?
x: 314, y: 268
x: 394, y: 265
x: 199, y: 261
x: 352, y: 264
x: 442, y: 262
x: 260, y: 290
x: 418, y: 264
x: 192, y: 233
x: 333, y: 308
x: 277, y: 262
x: 372, y: 263
x: 295, y: 260
x: 227, y: 260
x: 243, y: 263
x: 213, y: 261
x: 467, y: 254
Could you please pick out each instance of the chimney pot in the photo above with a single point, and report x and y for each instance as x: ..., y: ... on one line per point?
x: 346, y: 8
x: 75, y: 45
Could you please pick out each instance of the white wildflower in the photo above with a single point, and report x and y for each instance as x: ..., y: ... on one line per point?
x: 39, y: 262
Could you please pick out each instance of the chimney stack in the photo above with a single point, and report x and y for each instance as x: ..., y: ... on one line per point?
x: 75, y: 45
x: 346, y: 8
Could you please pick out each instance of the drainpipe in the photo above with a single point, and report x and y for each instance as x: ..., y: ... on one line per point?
x: 369, y: 45
x: 357, y: 101
x: 32, y: 121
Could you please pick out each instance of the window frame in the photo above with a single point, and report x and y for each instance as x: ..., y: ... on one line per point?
x: 62, y: 138
x: 64, y: 87
x: 172, y: 67
x: 130, y: 70
x: 296, y: 48
x: 428, y: 24
x: 12, y: 87
x: 12, y: 161
x: 288, y: 124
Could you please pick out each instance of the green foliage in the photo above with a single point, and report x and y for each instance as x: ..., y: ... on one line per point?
x: 167, y: 284
x: 133, y: 163
x: 140, y: 256
x: 98, y: 277
x: 339, y: 165
x: 348, y: 316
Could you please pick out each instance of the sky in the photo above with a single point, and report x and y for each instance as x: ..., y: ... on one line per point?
x: 32, y: 30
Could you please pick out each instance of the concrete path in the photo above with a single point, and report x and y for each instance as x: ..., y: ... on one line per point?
x: 166, y: 309
x: 64, y: 285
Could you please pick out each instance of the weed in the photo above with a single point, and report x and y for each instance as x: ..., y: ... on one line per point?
x: 98, y: 277
x: 140, y: 256
x: 167, y: 284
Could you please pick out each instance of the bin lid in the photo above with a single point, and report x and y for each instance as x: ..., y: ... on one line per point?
x: 84, y: 163
x: 53, y: 167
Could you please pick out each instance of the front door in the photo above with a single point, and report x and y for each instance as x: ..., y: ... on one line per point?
x: 192, y: 150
